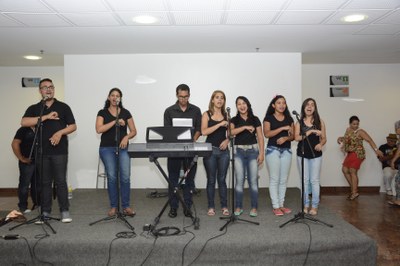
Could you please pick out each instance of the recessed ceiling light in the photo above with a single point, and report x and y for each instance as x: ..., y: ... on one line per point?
x: 355, y: 18
x: 145, y: 19
x: 32, y: 57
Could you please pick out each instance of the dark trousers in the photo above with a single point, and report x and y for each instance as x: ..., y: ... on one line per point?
x: 54, y: 169
x: 28, y: 177
x: 174, y: 167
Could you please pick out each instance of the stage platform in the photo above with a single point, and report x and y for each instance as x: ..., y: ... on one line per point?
x: 77, y: 243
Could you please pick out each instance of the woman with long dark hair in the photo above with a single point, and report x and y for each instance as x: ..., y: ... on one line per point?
x: 314, y: 129
x: 106, y: 123
x: 278, y: 128
x: 249, y: 153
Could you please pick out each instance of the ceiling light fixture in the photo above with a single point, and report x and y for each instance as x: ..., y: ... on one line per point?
x: 355, y: 18
x: 32, y: 57
x: 145, y: 19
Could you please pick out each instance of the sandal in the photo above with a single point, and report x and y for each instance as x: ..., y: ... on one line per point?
x: 313, y: 211
x: 225, y: 212
x: 394, y: 204
x: 238, y: 212
x: 129, y: 212
x: 253, y: 213
x: 211, y: 212
x: 112, y: 211
x: 354, y: 196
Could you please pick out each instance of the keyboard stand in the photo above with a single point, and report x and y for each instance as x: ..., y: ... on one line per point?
x: 179, y: 196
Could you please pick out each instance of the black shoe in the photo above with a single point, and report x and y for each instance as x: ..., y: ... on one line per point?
x: 172, y: 213
x: 187, y: 213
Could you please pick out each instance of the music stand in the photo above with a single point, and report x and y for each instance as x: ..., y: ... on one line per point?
x: 118, y: 214
x: 302, y: 215
x: 37, y: 148
x: 168, y: 136
x: 233, y: 218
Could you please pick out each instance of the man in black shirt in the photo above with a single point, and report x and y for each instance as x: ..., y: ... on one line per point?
x: 182, y: 109
x: 22, y: 145
x: 57, y: 122
x: 388, y: 150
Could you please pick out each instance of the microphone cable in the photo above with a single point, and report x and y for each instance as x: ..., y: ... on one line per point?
x: 119, y: 235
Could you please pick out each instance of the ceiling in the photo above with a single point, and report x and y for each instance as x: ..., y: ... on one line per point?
x: 311, y: 27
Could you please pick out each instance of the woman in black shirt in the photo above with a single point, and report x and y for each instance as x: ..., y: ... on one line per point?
x: 249, y: 152
x: 214, y: 125
x: 106, y: 123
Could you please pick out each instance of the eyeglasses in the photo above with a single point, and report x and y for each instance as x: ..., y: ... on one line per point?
x: 47, y: 88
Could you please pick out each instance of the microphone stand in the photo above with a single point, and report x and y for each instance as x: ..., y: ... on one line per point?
x: 232, y: 218
x: 37, y: 147
x: 302, y: 215
x: 118, y: 214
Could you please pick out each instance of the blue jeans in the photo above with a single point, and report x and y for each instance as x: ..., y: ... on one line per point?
x: 174, y: 167
x: 278, y: 162
x: 27, y: 176
x: 216, y: 168
x: 109, y: 157
x: 55, y: 168
x: 246, y: 162
x: 312, y: 170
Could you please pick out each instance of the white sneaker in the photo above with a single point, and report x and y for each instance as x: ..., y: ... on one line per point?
x: 65, y: 218
x: 27, y: 211
x: 389, y: 193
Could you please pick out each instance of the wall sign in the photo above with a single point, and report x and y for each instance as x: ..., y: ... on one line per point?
x: 30, y: 82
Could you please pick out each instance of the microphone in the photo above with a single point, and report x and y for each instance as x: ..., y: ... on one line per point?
x: 228, y: 111
x: 45, y: 98
x: 296, y: 114
x: 118, y: 100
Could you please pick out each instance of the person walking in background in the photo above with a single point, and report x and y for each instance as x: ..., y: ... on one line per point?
x: 278, y: 128
x: 22, y: 145
x: 214, y: 125
x: 388, y: 150
x: 249, y: 153
x: 314, y: 131
x: 353, y: 146
x: 57, y: 122
x: 182, y: 109
x: 107, y: 125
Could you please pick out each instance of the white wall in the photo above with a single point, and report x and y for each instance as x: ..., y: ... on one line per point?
x: 14, y: 101
x: 378, y: 85
x: 88, y: 79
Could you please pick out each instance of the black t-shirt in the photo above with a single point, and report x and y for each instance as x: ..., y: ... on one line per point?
x: 26, y: 135
x: 274, y: 124
x: 192, y: 112
x: 52, y: 126
x: 245, y: 137
x: 387, y: 150
x: 108, y: 138
x: 219, y: 135
x: 313, y: 140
